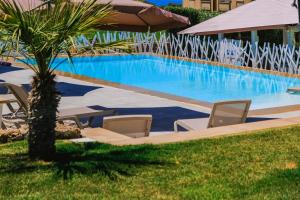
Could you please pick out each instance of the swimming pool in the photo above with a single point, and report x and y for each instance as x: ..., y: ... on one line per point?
x: 201, y: 82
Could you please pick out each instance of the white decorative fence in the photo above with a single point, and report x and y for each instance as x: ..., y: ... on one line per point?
x: 281, y: 58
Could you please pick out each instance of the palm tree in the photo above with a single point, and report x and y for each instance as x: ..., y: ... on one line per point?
x: 42, y: 35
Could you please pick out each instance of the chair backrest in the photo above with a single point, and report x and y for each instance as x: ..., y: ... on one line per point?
x: 130, y: 125
x: 229, y: 113
x: 20, y: 93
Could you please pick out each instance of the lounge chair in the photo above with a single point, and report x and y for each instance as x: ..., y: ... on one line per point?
x: 130, y: 125
x: 73, y: 114
x: 223, y: 114
x: 9, y: 98
x: 293, y: 90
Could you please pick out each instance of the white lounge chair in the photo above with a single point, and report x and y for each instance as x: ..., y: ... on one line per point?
x: 10, y: 99
x: 223, y: 114
x: 73, y: 114
x: 130, y: 125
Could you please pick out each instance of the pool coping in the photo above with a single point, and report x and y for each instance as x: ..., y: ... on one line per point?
x: 105, y: 136
x: 254, y: 112
x: 219, y: 64
x: 214, y: 63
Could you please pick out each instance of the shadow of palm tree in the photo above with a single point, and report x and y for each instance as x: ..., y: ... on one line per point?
x: 88, y: 159
x: 123, y: 161
x: 16, y: 163
x: 70, y: 89
x: 5, y: 69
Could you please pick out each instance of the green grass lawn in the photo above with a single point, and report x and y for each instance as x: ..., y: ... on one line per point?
x: 256, y: 166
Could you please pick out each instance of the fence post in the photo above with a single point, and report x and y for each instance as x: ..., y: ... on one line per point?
x: 220, y: 36
x: 254, y: 39
x: 288, y: 37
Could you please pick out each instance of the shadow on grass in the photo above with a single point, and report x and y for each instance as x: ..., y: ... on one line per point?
x: 87, y: 159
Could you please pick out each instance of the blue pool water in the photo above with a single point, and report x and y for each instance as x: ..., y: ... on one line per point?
x: 187, y: 79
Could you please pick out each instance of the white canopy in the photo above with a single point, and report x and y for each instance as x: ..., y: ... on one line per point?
x: 257, y: 15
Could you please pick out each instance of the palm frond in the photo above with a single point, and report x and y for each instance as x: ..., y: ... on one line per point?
x: 44, y: 33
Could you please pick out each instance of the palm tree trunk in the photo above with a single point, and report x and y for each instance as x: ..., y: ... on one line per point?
x: 43, y: 103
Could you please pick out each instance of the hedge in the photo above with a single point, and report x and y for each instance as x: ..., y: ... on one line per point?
x: 196, y: 16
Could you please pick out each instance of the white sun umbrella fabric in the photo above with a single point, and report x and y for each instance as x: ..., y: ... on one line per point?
x: 257, y: 15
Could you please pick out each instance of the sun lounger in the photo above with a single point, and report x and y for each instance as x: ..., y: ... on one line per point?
x: 293, y: 90
x: 73, y: 114
x: 223, y: 114
x: 130, y: 125
x: 9, y: 98
x: 5, y: 99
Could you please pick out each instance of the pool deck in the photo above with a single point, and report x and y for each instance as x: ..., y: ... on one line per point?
x: 165, y: 109
x: 108, y: 137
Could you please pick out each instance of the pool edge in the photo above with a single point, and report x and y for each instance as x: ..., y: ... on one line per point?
x: 255, y: 112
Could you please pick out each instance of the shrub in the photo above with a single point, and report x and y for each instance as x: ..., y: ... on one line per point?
x: 272, y: 36
x: 63, y: 132
x: 10, y: 135
x: 196, y: 16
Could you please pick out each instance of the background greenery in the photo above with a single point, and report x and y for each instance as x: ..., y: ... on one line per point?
x: 196, y: 16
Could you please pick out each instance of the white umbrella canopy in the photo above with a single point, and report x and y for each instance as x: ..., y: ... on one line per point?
x: 257, y: 15
x: 129, y: 15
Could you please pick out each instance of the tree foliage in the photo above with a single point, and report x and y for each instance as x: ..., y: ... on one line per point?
x: 41, y: 35
x: 196, y: 16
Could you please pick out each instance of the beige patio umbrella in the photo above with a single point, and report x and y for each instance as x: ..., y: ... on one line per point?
x: 130, y: 15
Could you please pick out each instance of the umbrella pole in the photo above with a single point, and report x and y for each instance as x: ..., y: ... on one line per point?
x: 298, y: 7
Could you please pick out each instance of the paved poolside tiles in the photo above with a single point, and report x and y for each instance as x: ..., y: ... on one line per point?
x: 192, y: 80
x: 84, y: 91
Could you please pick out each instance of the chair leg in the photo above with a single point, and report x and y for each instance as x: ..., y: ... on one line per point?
x: 11, y: 108
x: 90, y: 121
x: 3, y: 126
x: 78, y: 123
x: 17, y: 125
x: 175, y: 127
